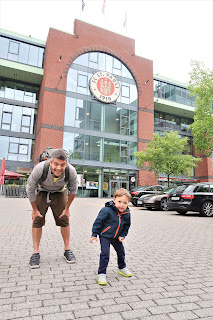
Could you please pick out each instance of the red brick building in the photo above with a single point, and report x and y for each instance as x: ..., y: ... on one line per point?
x: 100, y: 133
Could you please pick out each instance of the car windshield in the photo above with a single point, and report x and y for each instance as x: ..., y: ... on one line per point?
x: 168, y: 190
x: 180, y: 189
x: 138, y: 188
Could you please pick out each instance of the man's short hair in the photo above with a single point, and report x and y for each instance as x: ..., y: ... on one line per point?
x: 60, y: 154
x: 122, y: 192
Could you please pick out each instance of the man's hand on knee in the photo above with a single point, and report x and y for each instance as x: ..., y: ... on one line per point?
x: 35, y: 213
x: 65, y: 213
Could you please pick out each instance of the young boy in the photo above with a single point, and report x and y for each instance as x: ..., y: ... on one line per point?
x: 112, y: 225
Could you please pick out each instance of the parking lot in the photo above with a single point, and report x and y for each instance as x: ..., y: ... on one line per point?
x: 170, y: 256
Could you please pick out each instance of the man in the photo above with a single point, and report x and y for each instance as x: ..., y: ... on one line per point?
x: 51, y: 194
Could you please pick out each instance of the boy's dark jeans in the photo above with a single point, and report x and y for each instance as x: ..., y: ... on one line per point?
x: 105, y: 251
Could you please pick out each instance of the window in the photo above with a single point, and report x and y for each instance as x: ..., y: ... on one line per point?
x: 125, y: 91
x: 93, y: 57
x: 6, y: 120
x: 25, y: 123
x: 33, y: 56
x: 95, y: 125
x: 13, y: 147
x: 17, y: 118
x: 157, y: 188
x: 23, y: 149
x: 111, y: 150
x: 13, y: 51
x: 13, y: 47
x: 18, y: 91
x: 124, y: 154
x: 173, y: 93
x: 149, y: 189
x: 116, y: 67
x: 80, y: 113
x: 21, y: 52
x: 4, y: 46
x: 116, y: 64
x: 91, y: 114
x: 185, y: 124
x: 82, y: 81
x: 93, y: 60
x: 92, y: 148
x: 167, y: 91
x: 125, y: 125
x: 28, y: 94
x: 79, y: 149
x: 18, y: 148
x: 202, y: 188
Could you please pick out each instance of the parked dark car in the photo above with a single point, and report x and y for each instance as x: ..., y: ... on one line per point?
x: 157, y: 201
x: 146, y: 190
x: 135, y: 191
x: 196, y: 197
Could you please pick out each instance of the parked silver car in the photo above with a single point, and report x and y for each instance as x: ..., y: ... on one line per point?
x: 158, y: 201
x: 148, y: 191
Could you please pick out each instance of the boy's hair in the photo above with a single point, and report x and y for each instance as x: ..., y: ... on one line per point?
x: 122, y: 192
x: 60, y: 154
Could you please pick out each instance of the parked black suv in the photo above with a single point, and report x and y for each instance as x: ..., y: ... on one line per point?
x: 196, y: 197
x: 145, y: 190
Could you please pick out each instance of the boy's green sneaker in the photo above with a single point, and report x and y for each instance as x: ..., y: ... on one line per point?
x: 125, y: 272
x: 102, y: 279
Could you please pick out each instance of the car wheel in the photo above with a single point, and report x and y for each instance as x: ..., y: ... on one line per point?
x: 164, y: 204
x: 207, y: 209
x: 134, y: 204
x: 182, y: 211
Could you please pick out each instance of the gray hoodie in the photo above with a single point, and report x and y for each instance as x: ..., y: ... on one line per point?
x: 49, y: 185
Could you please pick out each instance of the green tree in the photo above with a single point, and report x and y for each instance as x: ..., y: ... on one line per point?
x: 201, y: 85
x: 164, y: 155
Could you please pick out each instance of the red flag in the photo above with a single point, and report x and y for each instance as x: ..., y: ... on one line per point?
x: 2, y: 171
x: 103, y: 8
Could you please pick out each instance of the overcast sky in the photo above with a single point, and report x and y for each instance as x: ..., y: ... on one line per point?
x: 169, y: 32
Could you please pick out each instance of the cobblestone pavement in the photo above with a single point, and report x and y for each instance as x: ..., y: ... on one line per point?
x: 170, y: 256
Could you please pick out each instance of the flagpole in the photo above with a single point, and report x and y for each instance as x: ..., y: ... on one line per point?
x: 82, y: 7
x: 125, y: 23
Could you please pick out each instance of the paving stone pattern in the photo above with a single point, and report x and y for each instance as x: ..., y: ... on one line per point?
x: 170, y: 256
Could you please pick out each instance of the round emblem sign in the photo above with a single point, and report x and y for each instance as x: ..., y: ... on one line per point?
x: 105, y: 87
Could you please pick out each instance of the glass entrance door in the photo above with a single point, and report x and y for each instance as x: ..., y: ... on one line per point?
x: 116, y: 184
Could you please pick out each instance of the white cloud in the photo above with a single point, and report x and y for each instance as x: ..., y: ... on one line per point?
x: 169, y: 32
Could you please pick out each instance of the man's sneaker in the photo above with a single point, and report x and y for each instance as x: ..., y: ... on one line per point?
x: 34, y: 261
x: 125, y: 272
x: 102, y: 279
x: 69, y: 256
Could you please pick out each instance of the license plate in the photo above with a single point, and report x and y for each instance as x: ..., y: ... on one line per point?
x: 175, y: 198
x: 140, y: 202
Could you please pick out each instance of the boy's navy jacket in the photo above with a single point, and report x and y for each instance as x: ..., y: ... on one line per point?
x: 111, y: 223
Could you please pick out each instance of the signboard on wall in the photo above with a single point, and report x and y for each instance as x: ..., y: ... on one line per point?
x: 105, y: 87
x: 81, y: 181
x: 105, y: 186
x: 91, y: 185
